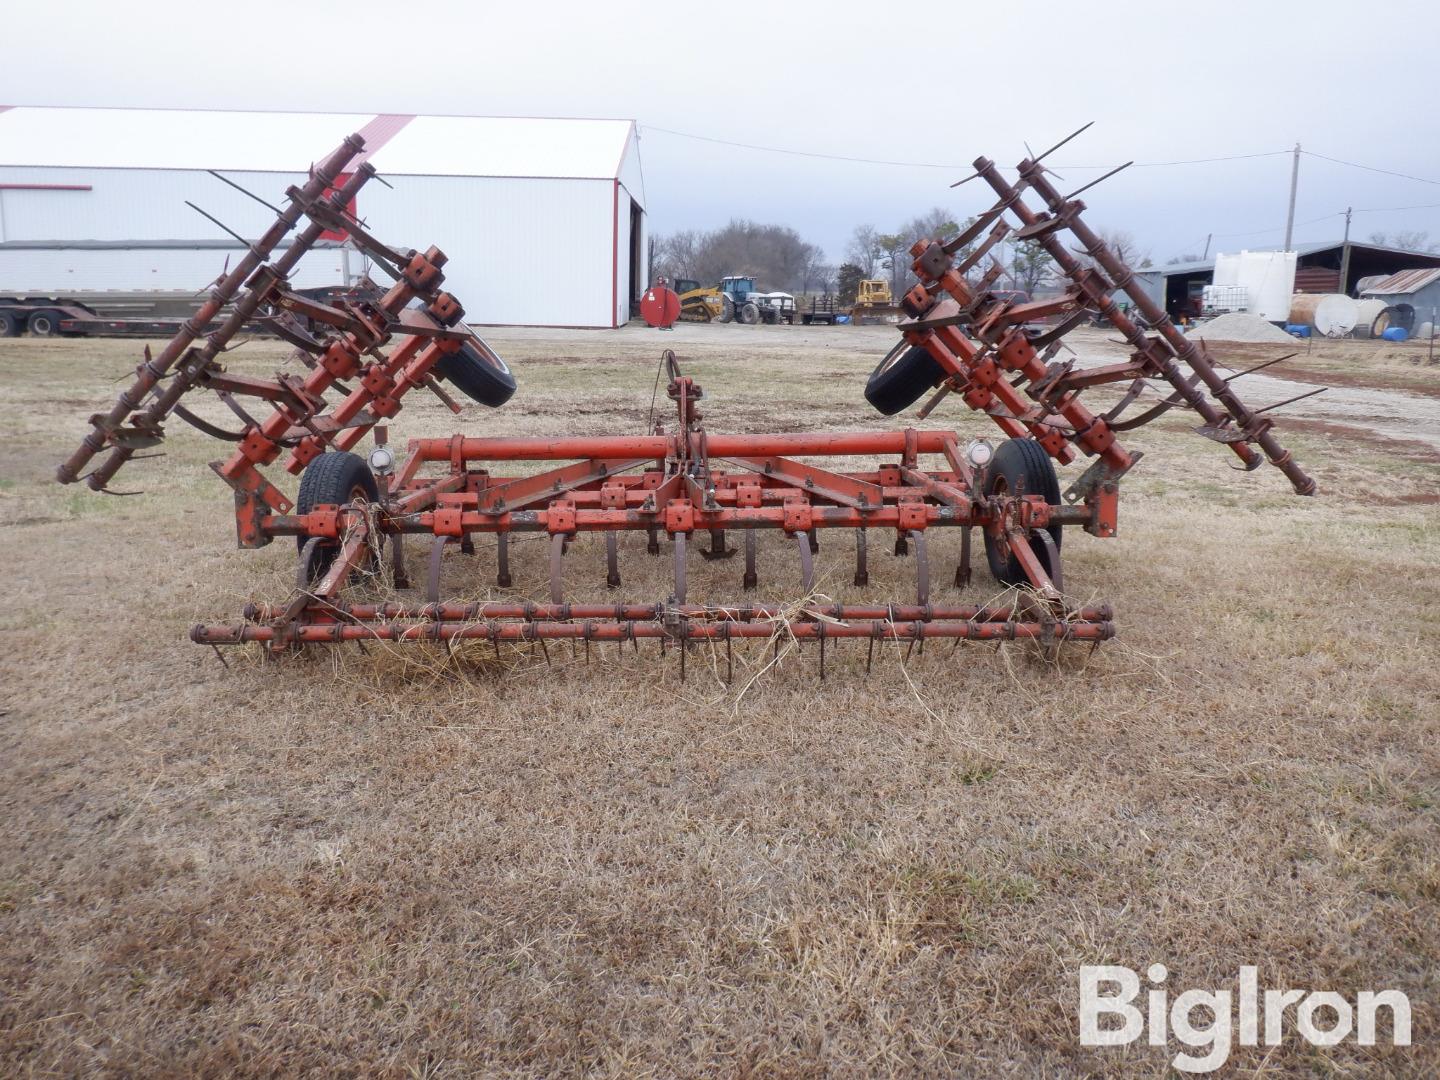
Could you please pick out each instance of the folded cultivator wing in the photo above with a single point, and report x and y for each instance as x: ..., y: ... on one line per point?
x: 959, y: 338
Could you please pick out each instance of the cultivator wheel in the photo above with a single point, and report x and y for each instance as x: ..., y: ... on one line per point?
x: 1021, y: 468
x: 684, y: 485
x: 479, y: 374
x: 334, y: 479
x: 902, y: 377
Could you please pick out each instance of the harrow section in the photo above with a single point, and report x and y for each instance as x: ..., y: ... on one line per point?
x: 684, y: 483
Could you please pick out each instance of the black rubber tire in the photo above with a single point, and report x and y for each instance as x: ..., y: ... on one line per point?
x: 9, y: 324
x: 1020, y: 467
x: 727, y: 309
x: 335, y: 478
x: 749, y: 313
x: 44, y: 324
x: 898, y: 384
x: 477, y: 377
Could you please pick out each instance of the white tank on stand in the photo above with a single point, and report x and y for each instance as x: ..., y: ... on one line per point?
x: 1268, y: 278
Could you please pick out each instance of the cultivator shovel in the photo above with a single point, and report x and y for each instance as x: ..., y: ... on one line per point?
x: 676, y: 484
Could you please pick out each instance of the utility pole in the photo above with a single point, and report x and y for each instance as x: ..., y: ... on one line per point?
x: 1206, y: 254
x: 1345, y: 255
x: 1294, y: 181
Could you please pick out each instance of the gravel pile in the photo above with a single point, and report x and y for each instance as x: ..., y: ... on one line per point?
x: 1238, y: 326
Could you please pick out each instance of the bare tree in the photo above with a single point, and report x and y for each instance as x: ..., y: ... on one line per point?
x: 1406, y: 240
x: 1030, y: 266
x: 937, y: 223
x: 1123, y: 246
x: 864, y: 250
x: 895, y: 259
x: 819, y: 275
x: 774, y: 255
x: 676, y: 255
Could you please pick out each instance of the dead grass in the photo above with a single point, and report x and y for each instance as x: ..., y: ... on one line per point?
x: 1374, y: 363
x: 357, y: 864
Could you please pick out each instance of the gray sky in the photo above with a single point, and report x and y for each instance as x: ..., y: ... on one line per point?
x: 936, y: 84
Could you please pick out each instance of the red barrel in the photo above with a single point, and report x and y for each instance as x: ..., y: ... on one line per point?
x: 660, y: 307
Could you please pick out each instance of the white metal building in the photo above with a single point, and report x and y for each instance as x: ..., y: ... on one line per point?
x: 543, y: 219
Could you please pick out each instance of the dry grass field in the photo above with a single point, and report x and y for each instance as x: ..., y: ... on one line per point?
x: 399, y: 865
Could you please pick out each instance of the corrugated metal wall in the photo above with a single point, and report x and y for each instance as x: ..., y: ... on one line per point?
x: 523, y: 251
x: 67, y: 271
x: 133, y: 204
x: 623, y: 285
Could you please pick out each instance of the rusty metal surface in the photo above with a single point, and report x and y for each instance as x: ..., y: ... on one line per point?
x: 1406, y: 281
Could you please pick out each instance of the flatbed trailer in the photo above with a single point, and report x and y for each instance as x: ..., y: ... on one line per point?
x: 72, y: 317
x: 821, y: 311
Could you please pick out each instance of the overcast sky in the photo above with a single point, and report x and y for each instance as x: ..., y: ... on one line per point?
x: 937, y: 84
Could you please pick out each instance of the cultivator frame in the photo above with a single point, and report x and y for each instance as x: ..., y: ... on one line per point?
x: 683, y: 482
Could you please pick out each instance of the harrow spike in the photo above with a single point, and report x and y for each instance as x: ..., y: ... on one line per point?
x: 243, y: 191
x: 862, y: 570
x: 1030, y: 154
x: 216, y: 221
x: 1098, y: 180
x: 1291, y: 401
x: 1260, y: 366
x: 1073, y: 135
x: 751, y: 579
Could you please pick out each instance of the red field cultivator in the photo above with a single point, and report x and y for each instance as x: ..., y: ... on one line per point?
x: 353, y: 515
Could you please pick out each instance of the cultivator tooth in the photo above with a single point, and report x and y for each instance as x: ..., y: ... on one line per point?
x: 503, y: 579
x: 862, y: 569
x: 612, y: 560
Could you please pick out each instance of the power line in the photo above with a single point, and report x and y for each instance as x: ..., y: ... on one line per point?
x: 930, y: 164
x: 1372, y: 168
x: 801, y: 153
x: 1278, y: 228
x: 1384, y: 209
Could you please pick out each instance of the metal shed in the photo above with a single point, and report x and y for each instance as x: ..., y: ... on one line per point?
x: 1319, y: 269
x: 1414, y: 296
x: 543, y: 219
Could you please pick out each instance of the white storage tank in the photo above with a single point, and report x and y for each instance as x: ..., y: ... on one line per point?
x: 1268, y: 278
x: 1336, y: 315
x: 1366, y: 312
